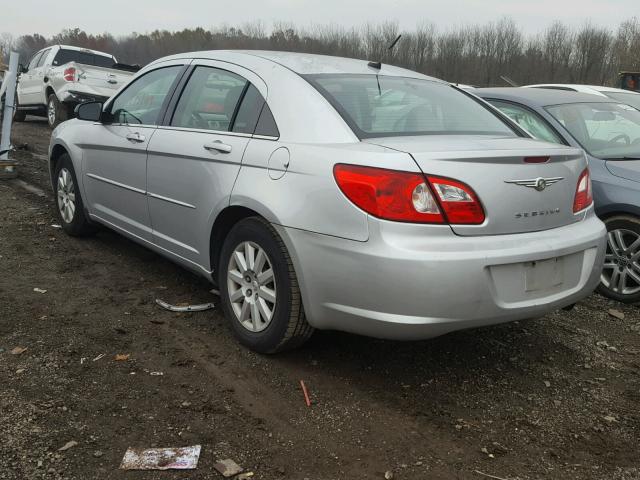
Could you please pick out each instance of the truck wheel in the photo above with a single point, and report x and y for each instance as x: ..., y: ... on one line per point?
x: 18, y: 115
x: 56, y: 111
x: 259, y: 289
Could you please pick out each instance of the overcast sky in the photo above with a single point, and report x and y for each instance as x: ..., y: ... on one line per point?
x: 125, y: 16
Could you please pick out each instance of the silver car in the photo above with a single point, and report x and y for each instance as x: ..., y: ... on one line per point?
x: 330, y: 193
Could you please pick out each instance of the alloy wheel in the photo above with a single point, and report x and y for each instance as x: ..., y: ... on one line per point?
x: 251, y: 286
x: 621, y: 271
x: 51, y: 112
x: 66, y: 195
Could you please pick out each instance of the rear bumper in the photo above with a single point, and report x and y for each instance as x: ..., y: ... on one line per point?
x: 402, y: 284
x: 75, y: 97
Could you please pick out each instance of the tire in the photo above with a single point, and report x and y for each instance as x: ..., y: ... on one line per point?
x: 622, y: 261
x: 56, y: 111
x: 287, y: 327
x: 74, y: 220
x: 18, y: 115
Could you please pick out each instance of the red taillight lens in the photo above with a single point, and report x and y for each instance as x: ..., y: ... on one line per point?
x: 408, y: 197
x: 388, y: 194
x: 584, y: 194
x: 459, y: 201
x: 70, y: 74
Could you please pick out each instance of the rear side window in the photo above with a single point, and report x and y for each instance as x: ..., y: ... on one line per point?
x: 43, y: 57
x: 378, y: 106
x: 267, y: 124
x: 249, y: 111
x: 209, y: 100
x: 86, y: 58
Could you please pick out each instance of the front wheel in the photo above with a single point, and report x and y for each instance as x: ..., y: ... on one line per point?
x: 69, y: 201
x: 259, y: 289
x: 620, y: 278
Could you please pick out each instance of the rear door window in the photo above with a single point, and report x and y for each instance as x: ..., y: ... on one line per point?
x: 210, y: 100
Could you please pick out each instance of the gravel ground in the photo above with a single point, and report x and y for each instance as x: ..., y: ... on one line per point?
x: 552, y: 398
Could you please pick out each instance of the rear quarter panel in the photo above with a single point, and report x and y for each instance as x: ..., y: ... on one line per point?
x: 307, y: 197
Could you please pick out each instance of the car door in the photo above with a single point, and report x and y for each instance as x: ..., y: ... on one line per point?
x: 27, y: 87
x: 38, y: 78
x: 115, y: 151
x: 194, y: 158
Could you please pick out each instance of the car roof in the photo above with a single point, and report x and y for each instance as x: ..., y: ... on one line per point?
x: 307, y: 64
x: 581, y: 88
x: 540, y: 97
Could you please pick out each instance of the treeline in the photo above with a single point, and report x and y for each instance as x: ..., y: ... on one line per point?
x: 474, y: 54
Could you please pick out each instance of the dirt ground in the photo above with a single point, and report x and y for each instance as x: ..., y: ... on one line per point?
x: 552, y: 398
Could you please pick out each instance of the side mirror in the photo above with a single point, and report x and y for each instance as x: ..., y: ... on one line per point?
x: 22, y: 68
x: 90, y: 111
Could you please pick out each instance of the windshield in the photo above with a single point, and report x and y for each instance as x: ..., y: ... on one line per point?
x: 630, y: 98
x: 605, y: 130
x: 378, y: 106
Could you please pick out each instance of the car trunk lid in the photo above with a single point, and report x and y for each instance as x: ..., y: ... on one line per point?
x: 498, y: 169
x: 101, y: 81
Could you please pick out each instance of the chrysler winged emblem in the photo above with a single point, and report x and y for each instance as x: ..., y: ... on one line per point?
x: 539, y: 183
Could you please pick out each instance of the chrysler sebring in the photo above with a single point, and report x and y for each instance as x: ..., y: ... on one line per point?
x: 329, y: 193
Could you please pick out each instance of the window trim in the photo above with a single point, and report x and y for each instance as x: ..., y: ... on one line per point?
x: 362, y: 135
x: 163, y: 108
x: 531, y: 110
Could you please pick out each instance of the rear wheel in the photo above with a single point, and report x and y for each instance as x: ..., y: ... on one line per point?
x: 259, y: 289
x: 69, y: 201
x: 620, y: 278
x: 56, y: 111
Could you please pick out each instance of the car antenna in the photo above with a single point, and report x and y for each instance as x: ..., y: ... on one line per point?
x: 378, y: 65
x: 509, y: 81
x: 394, y: 42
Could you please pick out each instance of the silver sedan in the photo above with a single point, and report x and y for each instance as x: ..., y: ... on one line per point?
x: 330, y: 193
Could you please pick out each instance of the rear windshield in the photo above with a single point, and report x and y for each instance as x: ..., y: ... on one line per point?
x: 382, y: 106
x: 630, y: 98
x: 86, y: 58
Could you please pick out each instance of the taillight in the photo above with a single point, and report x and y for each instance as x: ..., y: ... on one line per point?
x: 70, y: 74
x: 408, y: 197
x: 458, y: 200
x: 584, y: 194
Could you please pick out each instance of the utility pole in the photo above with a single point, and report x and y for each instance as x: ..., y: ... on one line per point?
x: 8, y: 167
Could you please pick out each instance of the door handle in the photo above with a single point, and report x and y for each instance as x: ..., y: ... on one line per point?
x: 136, y: 137
x: 218, y: 146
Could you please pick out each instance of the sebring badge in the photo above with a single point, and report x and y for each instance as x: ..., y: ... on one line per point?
x: 538, y: 183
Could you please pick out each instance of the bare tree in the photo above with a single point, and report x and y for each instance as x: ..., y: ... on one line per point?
x: 474, y: 54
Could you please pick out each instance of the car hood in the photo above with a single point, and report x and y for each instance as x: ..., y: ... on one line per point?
x: 629, y: 169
